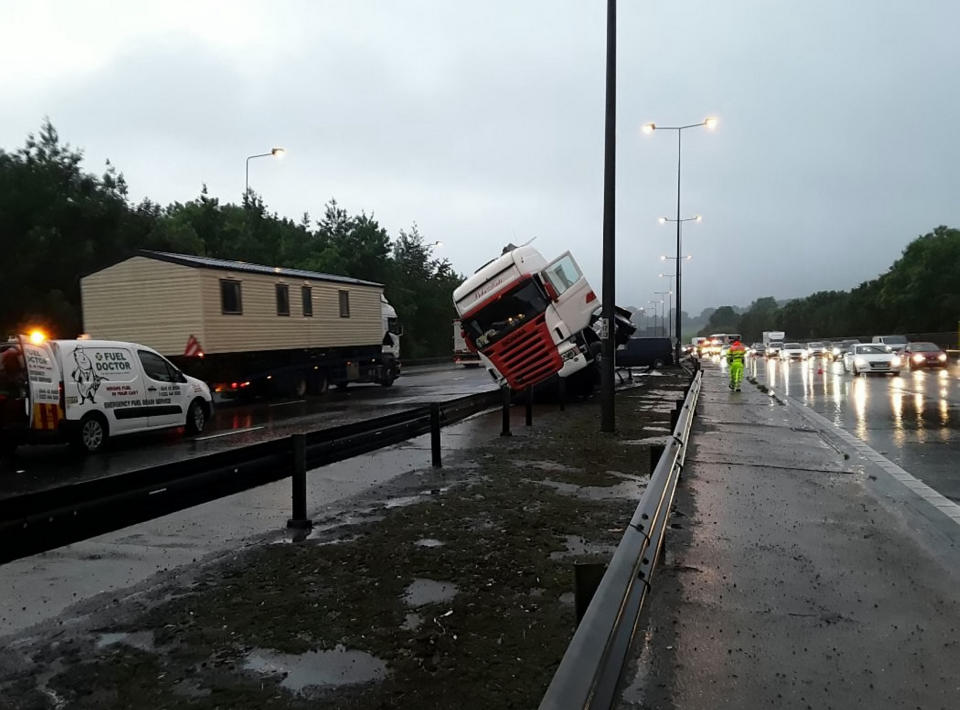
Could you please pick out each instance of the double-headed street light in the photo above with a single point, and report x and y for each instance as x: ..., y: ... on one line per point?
x: 669, y: 295
x: 275, y: 152
x: 709, y: 123
x: 656, y: 315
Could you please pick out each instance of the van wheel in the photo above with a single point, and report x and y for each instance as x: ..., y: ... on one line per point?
x: 196, y: 418
x: 93, y: 434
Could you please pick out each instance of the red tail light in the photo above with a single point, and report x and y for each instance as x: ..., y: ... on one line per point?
x: 591, y: 297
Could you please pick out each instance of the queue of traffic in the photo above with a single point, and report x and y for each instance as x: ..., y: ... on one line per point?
x: 884, y: 354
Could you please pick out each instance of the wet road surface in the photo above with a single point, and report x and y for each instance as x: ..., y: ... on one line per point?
x: 912, y: 419
x: 37, y: 467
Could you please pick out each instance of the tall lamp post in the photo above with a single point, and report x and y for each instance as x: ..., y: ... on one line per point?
x: 668, y: 295
x: 664, y: 220
x: 670, y: 278
x: 709, y: 123
x: 275, y: 152
x: 656, y: 315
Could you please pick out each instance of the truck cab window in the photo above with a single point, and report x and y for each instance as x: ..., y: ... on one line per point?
x: 283, y: 300
x: 230, y: 301
x: 562, y: 273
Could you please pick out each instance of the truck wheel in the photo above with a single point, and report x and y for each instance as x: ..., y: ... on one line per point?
x: 388, y: 378
x: 196, y: 418
x: 93, y: 434
x: 299, y: 387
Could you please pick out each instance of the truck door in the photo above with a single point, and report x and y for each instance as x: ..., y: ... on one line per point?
x: 570, y: 293
x: 43, y: 385
x: 165, y: 391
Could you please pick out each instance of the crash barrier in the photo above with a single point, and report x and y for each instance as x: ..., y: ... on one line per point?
x: 43, y: 520
x: 589, y: 673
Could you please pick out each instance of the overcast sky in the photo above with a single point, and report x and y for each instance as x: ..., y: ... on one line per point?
x: 482, y: 122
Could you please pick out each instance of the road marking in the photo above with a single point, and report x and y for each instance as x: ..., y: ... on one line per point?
x: 227, y: 433
x: 284, y: 404
x: 930, y: 496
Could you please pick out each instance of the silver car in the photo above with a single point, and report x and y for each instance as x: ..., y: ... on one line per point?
x: 871, y: 357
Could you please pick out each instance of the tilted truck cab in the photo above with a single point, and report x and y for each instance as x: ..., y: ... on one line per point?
x: 530, y: 319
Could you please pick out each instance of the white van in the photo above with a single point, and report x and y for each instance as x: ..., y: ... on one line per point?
x: 86, y: 391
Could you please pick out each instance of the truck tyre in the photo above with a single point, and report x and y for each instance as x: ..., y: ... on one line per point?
x: 196, y: 418
x: 92, y: 433
x: 299, y: 389
x: 388, y: 378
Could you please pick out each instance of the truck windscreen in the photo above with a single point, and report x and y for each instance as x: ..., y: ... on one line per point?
x: 520, y: 305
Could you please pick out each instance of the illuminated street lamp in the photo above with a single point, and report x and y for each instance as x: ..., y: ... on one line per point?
x: 709, y: 123
x: 275, y: 152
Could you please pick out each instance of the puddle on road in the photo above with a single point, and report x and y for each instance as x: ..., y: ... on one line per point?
x: 412, y: 622
x: 429, y: 542
x: 576, y: 546
x: 546, y: 466
x: 403, y: 501
x: 428, y: 591
x: 630, y: 489
x: 142, y: 640
x: 333, y: 668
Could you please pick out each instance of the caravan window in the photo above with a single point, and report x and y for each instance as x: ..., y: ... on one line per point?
x: 230, y: 300
x: 306, y: 293
x: 344, y: 304
x: 283, y: 300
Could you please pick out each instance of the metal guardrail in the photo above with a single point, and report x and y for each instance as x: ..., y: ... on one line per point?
x: 589, y: 673
x: 43, y: 520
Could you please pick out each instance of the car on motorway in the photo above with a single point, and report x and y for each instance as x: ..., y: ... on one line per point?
x: 793, y: 351
x: 836, y: 350
x: 816, y: 348
x: 757, y: 349
x: 871, y: 357
x: 774, y: 347
x: 924, y: 354
x: 895, y: 342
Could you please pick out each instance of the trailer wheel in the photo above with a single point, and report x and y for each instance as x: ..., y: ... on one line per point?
x: 93, y: 433
x: 196, y: 418
x: 388, y: 377
x: 319, y: 383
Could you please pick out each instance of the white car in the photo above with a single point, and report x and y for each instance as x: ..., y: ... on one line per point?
x: 793, y: 351
x: 816, y: 348
x: 868, y: 357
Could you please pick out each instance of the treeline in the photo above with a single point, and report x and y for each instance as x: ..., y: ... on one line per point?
x: 920, y: 293
x: 59, y: 223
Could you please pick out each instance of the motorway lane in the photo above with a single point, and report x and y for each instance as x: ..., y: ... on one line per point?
x: 912, y: 419
x: 37, y: 467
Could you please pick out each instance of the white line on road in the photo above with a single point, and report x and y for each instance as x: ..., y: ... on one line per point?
x: 284, y: 404
x: 228, y: 433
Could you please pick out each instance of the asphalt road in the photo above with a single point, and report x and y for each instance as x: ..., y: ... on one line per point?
x: 912, y: 419
x: 37, y: 467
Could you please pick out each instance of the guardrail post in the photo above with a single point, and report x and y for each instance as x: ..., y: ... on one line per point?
x: 435, y: 433
x: 529, y: 406
x: 299, y: 521
x: 562, y: 392
x: 506, y: 412
x: 586, y: 579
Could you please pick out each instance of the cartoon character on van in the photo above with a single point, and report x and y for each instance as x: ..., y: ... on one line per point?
x: 88, y: 381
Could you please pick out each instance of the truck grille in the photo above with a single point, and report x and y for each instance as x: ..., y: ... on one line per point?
x: 527, y: 356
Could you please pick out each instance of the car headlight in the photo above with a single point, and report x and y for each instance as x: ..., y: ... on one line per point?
x: 918, y: 358
x: 942, y: 357
x: 860, y: 362
x: 896, y: 361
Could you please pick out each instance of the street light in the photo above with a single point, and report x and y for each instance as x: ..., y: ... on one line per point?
x: 656, y: 314
x: 670, y: 278
x: 668, y: 294
x: 275, y: 152
x: 709, y: 123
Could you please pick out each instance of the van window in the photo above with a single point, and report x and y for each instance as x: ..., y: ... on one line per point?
x: 156, y: 368
x: 230, y: 300
x: 344, y: 304
x: 283, y: 300
x: 306, y: 295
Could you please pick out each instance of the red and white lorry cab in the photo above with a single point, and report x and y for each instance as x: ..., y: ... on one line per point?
x: 529, y: 319
x: 86, y: 391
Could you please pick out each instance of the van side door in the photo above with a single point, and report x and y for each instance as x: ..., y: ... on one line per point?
x: 103, y: 378
x: 43, y: 385
x: 165, y: 391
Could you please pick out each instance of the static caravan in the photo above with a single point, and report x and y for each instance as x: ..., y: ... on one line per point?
x: 247, y: 327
